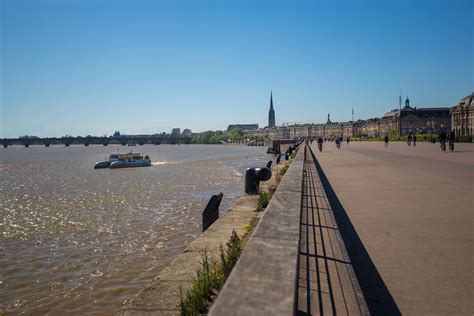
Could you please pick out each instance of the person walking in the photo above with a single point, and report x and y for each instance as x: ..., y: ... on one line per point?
x: 451, y: 139
x: 442, y: 140
x: 409, y: 139
x: 386, y: 140
x: 414, y: 140
x: 320, y: 144
x: 348, y: 139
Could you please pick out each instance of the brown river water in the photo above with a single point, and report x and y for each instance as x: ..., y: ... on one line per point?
x: 74, y: 240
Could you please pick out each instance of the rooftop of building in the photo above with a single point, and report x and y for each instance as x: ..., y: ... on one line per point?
x: 409, y: 108
x: 467, y: 100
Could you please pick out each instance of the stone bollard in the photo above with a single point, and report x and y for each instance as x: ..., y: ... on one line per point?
x: 253, y: 176
x: 211, y: 212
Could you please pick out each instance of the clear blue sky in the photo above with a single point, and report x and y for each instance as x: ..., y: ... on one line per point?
x: 92, y: 67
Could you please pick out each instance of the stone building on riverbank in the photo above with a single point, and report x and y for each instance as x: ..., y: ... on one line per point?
x: 242, y: 127
x: 424, y: 120
x: 462, y: 116
x: 397, y: 122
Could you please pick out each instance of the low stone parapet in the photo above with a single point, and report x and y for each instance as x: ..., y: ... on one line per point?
x: 264, y: 280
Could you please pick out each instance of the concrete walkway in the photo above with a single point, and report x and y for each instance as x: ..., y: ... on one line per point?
x: 405, y: 214
x: 326, y: 280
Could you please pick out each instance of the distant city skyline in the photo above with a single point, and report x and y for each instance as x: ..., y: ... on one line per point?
x: 145, y: 67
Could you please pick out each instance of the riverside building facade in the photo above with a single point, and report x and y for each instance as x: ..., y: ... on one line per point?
x: 424, y: 120
x: 462, y: 116
x: 242, y: 127
x: 397, y: 122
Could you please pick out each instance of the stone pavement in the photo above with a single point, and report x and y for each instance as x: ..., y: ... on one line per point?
x: 405, y: 214
x: 326, y: 282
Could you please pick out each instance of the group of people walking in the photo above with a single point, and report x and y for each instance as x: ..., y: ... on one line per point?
x: 443, y: 137
x: 320, y: 141
x: 411, y: 140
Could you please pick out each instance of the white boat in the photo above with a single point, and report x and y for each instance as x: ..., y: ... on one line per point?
x: 131, y: 160
x: 125, y: 161
x: 106, y: 163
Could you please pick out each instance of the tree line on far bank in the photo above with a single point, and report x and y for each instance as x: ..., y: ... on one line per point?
x: 218, y: 137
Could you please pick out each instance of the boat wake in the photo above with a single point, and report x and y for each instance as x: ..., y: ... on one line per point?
x: 159, y: 163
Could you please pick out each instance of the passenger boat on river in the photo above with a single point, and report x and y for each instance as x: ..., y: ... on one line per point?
x: 128, y: 160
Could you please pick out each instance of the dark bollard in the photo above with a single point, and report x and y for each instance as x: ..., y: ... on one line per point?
x: 211, y: 212
x: 278, y: 159
x: 269, y: 164
x: 253, y: 176
x: 276, y: 148
x: 287, y: 156
x: 290, y: 150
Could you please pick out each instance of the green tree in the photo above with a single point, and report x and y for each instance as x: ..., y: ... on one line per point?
x: 236, y: 135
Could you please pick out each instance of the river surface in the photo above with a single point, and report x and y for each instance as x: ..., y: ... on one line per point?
x: 74, y: 240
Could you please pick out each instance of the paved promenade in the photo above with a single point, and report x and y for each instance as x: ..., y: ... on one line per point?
x: 405, y: 214
x: 327, y: 284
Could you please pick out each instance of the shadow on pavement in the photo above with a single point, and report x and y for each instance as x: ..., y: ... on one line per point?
x: 378, y: 297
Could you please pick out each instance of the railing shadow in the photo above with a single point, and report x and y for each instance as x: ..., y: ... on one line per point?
x: 377, y: 296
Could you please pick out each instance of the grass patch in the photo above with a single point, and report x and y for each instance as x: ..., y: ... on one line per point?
x: 263, y: 200
x: 247, y: 229
x: 210, y: 278
x: 293, y: 154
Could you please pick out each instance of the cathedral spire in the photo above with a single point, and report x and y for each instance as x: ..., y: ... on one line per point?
x: 271, y: 112
x: 271, y: 100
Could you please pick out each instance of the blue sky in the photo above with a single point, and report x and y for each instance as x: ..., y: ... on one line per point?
x: 93, y: 67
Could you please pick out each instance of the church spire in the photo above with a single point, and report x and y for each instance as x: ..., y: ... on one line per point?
x: 271, y: 100
x: 271, y: 112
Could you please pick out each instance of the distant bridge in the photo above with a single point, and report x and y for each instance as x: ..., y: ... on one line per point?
x: 94, y: 140
x: 259, y: 142
x: 275, y: 145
